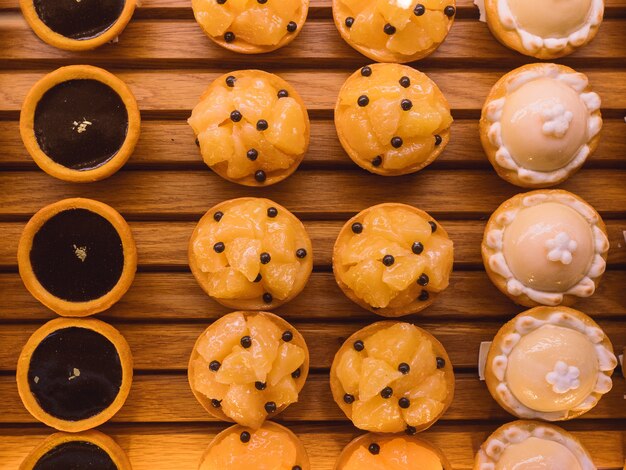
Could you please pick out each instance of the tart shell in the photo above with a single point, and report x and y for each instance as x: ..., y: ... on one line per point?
x: 61, y: 306
x: 23, y: 365
x: 78, y: 72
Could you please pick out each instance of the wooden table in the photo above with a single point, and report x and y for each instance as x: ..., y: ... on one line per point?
x: 165, y: 188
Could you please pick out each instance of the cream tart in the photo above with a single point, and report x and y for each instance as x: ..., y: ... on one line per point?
x: 250, y: 253
x: 77, y: 257
x: 393, y: 259
x: 539, y: 124
x: 252, y: 127
x: 251, y: 26
x: 389, y: 452
x: 391, y: 119
x: 77, y: 451
x: 545, y: 247
x: 394, y: 30
x: 80, y: 123
x: 392, y: 377
x: 550, y: 363
x: 545, y: 29
x: 74, y: 374
x: 248, y: 366
x: 77, y: 25
x: 271, y: 447
x: 529, y: 445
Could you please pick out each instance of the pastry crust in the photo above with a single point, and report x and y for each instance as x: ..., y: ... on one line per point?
x: 297, y: 340
x: 23, y: 365
x: 512, y: 39
x: 342, y: 240
x: 366, y: 439
x: 499, y: 92
x: 342, y: 125
x: 438, y: 349
x: 61, y: 306
x: 102, y: 441
x: 565, y: 317
x: 62, y: 42
x: 306, y: 264
x: 518, y: 431
x: 489, y: 248
x: 74, y: 72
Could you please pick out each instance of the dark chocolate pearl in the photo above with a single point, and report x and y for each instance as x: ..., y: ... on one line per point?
x: 358, y: 345
x: 301, y: 253
x: 366, y: 71
x: 377, y: 161
x: 215, y: 403
x: 219, y: 247
x: 258, y: 278
x: 396, y: 142
x: 349, y: 22
x: 218, y: 216
x: 260, y: 385
x: 410, y: 430
x: 235, y: 116
x: 386, y: 392
x: 405, y: 82
x: 363, y: 101
x: 357, y: 227
x: 272, y: 212
x: 417, y: 248
x: 388, y: 260
x: 287, y: 336
x: 423, y: 280
x: 449, y: 11
x: 260, y: 176
x: 296, y: 373
x: 197, y: 142
x: 267, y: 298
x: 441, y: 363
x: 229, y: 37
x: 261, y: 125
x: 296, y: 467
x: 423, y: 296
x: 404, y: 403
x: 262, y: 2
x: 283, y: 93
x: 433, y: 226
x: 246, y: 341
x: 221, y: 2
x: 349, y: 399
x: 438, y: 139
x: 265, y: 258
x: 374, y: 448
x: 252, y: 154
x: 230, y: 81
x: 292, y: 26
x: 406, y: 105
x: 404, y: 368
x: 215, y: 366
x: 419, y: 9
x: 270, y: 407
x: 389, y: 29
x: 244, y: 437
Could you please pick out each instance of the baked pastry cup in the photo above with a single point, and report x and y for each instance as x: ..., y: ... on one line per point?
x: 393, y: 259
x: 80, y: 123
x: 252, y: 127
x: 249, y: 26
x: 270, y: 446
x: 385, y: 452
x: 544, y: 29
x: 250, y: 254
x: 515, y: 444
x: 77, y: 450
x: 545, y: 247
x: 394, y: 31
x: 77, y: 257
x: 74, y: 374
x: 391, y: 377
x: 550, y: 363
x: 248, y: 366
x: 539, y: 124
x: 391, y: 119
x: 76, y: 26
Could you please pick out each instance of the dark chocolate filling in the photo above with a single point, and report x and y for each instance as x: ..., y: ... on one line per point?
x: 75, y: 455
x: 79, y: 19
x: 77, y: 255
x: 81, y: 124
x: 75, y: 373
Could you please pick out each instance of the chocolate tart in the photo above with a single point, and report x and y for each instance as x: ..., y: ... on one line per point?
x: 391, y: 119
x: 239, y: 448
x: 550, y: 363
x: 80, y: 123
x: 252, y: 127
x: 77, y: 25
x: 386, y: 452
x: 247, y: 367
x: 249, y: 26
x: 250, y: 254
x: 85, y: 450
x: 74, y: 374
x: 393, y: 259
x: 392, y: 377
x: 532, y: 444
x: 77, y: 257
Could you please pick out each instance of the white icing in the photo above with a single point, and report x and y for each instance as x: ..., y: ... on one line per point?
x: 563, y: 378
x: 562, y: 248
x: 556, y: 120
x: 404, y: 4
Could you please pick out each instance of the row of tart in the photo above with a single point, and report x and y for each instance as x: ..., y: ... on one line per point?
x: 383, y: 30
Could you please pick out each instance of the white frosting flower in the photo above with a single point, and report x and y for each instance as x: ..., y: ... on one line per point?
x: 556, y: 120
x: 563, y: 378
x: 561, y: 248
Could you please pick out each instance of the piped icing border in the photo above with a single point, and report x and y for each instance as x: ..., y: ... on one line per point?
x: 527, y: 323
x: 533, y: 43
x: 575, y: 80
x: 494, y: 239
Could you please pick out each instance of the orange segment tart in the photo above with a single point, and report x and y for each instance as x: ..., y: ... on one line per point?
x: 392, y: 119
x: 392, y: 259
x: 251, y: 26
x: 251, y: 254
x: 252, y: 127
x: 394, y: 30
x: 380, y: 452
x: 248, y: 366
x: 392, y: 377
